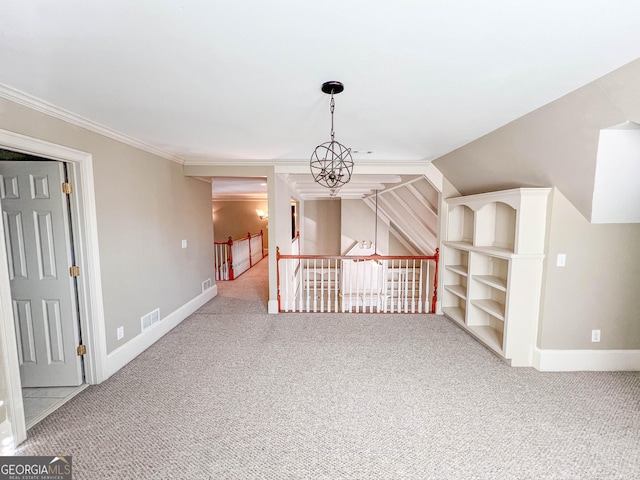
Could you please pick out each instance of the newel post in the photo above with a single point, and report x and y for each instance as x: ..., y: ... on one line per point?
x: 262, y: 243
x: 434, y: 299
x: 278, y: 275
x: 250, y: 257
x: 231, y: 275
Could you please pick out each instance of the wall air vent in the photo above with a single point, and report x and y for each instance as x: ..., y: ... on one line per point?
x: 150, y: 318
x: 206, y: 285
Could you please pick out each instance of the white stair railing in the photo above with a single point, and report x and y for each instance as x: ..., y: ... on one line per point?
x: 358, y: 284
x: 234, y: 257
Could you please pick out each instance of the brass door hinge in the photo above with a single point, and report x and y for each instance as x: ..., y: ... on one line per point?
x: 82, y: 350
x: 66, y: 188
x: 74, y: 271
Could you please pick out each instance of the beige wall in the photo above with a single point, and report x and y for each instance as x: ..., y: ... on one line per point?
x: 598, y: 287
x: 238, y: 218
x: 145, y: 207
x: 397, y: 248
x: 321, y: 227
x: 555, y: 145
x: 359, y: 223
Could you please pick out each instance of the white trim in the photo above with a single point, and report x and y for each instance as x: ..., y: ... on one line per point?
x: 586, y: 360
x: 272, y: 306
x: 371, y: 167
x: 435, y: 177
x: 45, y: 107
x: 121, y: 356
x: 90, y: 281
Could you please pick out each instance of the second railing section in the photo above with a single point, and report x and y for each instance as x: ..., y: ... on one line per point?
x: 234, y: 257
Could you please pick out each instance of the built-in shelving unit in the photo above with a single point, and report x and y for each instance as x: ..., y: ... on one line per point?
x: 492, y: 259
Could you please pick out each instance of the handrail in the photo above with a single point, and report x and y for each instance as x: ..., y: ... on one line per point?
x: 381, y: 283
x: 234, y: 257
x: 358, y: 257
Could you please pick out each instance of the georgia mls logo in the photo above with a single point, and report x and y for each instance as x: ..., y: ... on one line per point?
x: 35, y: 468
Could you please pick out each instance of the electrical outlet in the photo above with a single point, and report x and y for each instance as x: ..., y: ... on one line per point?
x: 562, y: 260
x: 120, y: 333
x: 184, y: 244
x: 595, y: 335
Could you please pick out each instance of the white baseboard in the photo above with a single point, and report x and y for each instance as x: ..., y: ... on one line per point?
x: 134, y: 347
x: 586, y: 360
x: 272, y: 306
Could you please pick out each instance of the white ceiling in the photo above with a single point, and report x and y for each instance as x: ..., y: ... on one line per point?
x: 239, y: 188
x: 218, y: 81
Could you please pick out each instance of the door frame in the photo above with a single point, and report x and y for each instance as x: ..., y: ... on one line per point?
x: 85, y: 237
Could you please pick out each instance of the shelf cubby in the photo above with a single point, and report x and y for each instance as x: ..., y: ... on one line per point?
x: 495, y: 226
x: 456, y: 313
x: 492, y: 281
x: 456, y: 273
x: 490, y: 270
x: 456, y: 260
x: 490, y: 306
x: 461, y: 225
x: 487, y: 325
x: 489, y: 336
x: 459, y: 291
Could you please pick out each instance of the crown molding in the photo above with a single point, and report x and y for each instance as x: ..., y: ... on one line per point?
x: 414, y: 167
x: 228, y: 163
x: 239, y: 198
x: 52, y: 110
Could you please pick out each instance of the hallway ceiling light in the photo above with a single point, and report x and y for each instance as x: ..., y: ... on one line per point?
x: 331, y: 162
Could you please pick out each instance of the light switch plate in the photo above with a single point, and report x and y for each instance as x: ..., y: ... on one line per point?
x: 184, y: 244
x: 562, y: 260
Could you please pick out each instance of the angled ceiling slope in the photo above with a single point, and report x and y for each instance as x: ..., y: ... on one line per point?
x: 556, y: 145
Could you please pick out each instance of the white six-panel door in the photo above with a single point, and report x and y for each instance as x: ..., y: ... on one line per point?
x: 38, y: 240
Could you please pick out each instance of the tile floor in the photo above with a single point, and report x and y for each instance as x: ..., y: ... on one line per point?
x: 42, y: 401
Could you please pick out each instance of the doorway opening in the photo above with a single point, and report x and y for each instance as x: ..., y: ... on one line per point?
x: 40, y: 245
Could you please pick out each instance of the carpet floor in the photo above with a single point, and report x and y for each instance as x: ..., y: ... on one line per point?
x: 235, y: 393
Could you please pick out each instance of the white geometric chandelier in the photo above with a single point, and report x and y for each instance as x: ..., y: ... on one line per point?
x: 331, y: 162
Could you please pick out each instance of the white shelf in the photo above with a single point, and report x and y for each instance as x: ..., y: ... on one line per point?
x: 489, y: 336
x: 494, y: 251
x: 460, y: 245
x: 494, y: 282
x: 457, y: 290
x: 492, y: 259
x: 459, y: 269
x: 492, y: 307
x: 454, y: 313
